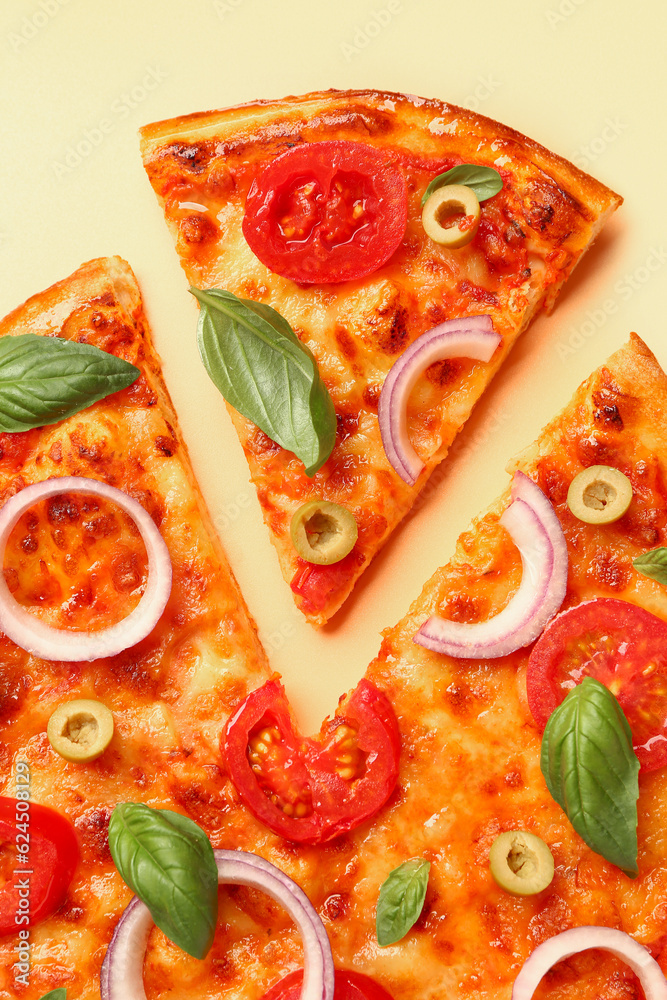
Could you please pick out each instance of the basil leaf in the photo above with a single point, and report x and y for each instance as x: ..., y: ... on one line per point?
x: 653, y: 564
x: 401, y: 900
x: 591, y: 771
x: 59, y: 994
x: 263, y: 370
x: 45, y: 379
x: 167, y: 860
x: 484, y: 181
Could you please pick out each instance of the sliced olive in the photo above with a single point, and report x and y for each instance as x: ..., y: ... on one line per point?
x: 441, y: 215
x: 80, y: 730
x: 599, y: 495
x: 521, y: 863
x: 323, y: 532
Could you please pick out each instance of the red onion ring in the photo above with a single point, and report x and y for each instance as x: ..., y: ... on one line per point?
x: 121, y: 976
x: 578, y: 939
x: 533, y: 526
x: 470, y: 337
x: 248, y: 869
x: 40, y: 639
x: 122, y: 972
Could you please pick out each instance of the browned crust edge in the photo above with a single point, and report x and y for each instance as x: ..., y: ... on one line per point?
x: 49, y: 308
x: 201, y: 125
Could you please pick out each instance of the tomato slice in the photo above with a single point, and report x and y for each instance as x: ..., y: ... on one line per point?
x: 317, y: 585
x: 327, y: 212
x: 311, y: 790
x: 348, y: 986
x: 33, y: 888
x: 622, y: 646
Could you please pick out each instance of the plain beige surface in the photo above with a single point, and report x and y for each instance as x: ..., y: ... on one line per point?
x: 586, y: 78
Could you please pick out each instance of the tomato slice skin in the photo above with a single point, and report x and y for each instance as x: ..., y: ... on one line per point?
x: 316, y: 585
x: 311, y: 790
x: 52, y: 859
x: 621, y: 645
x: 327, y: 212
x: 348, y: 986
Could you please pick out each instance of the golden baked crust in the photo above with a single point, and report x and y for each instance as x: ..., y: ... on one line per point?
x: 364, y: 112
x: 532, y: 235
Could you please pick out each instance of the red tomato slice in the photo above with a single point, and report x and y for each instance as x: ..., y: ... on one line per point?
x: 311, y: 790
x: 33, y: 889
x: 622, y: 646
x: 316, y: 585
x: 348, y: 986
x: 326, y: 211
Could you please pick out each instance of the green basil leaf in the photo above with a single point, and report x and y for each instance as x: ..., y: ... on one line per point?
x: 264, y: 371
x: 59, y: 994
x: 45, y: 379
x: 484, y: 181
x: 653, y: 564
x: 401, y: 900
x: 591, y: 771
x: 167, y: 860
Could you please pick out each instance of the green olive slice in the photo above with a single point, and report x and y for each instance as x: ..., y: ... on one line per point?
x: 599, y: 495
x: 323, y: 532
x: 521, y: 863
x: 443, y: 206
x: 80, y: 730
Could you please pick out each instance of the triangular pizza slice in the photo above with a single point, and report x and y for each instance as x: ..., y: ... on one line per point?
x: 78, y: 561
x: 313, y: 206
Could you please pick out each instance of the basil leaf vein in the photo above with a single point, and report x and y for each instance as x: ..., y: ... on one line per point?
x: 653, y: 564
x: 401, y: 900
x: 484, y: 181
x: 263, y: 370
x: 168, y: 861
x: 591, y: 771
x: 46, y: 379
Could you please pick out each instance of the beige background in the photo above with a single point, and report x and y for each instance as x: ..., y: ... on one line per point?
x: 587, y: 78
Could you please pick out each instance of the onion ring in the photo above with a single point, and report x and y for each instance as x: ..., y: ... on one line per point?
x: 568, y: 943
x: 537, y: 533
x: 121, y: 976
x: 48, y: 643
x: 470, y: 337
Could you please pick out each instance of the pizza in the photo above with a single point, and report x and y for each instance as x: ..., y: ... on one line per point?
x: 470, y: 755
x: 426, y: 762
x: 379, y: 836
x: 79, y: 559
x: 312, y: 206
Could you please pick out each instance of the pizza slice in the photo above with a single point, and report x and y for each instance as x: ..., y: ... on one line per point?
x: 78, y: 561
x: 313, y: 206
x: 471, y: 745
